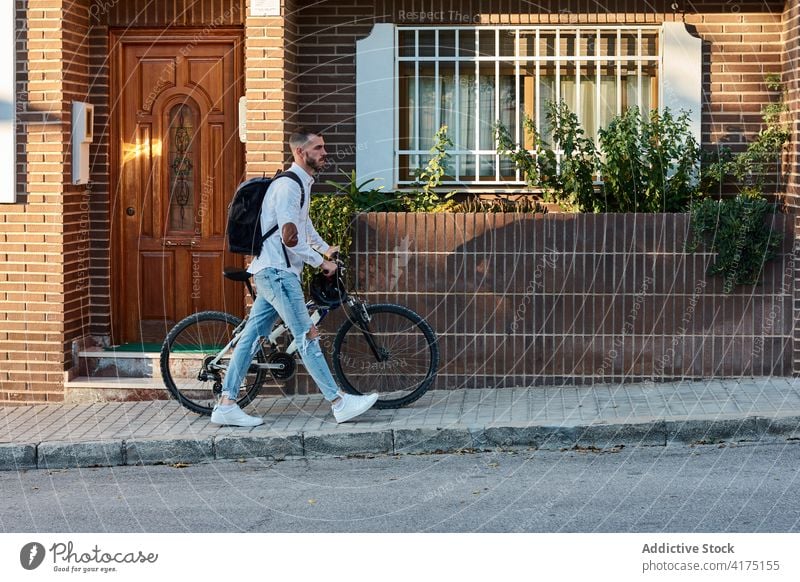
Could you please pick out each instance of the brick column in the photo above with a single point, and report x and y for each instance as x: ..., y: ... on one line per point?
x: 270, y: 88
x: 791, y: 79
x: 40, y: 234
x: 791, y: 72
x: 77, y: 203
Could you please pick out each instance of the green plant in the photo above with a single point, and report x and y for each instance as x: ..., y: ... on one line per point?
x: 752, y: 167
x: 574, y: 179
x: 520, y: 205
x: 568, y: 181
x: 533, y: 163
x: 362, y: 198
x: 649, y: 164
x: 423, y: 196
x: 332, y: 216
x: 737, y: 230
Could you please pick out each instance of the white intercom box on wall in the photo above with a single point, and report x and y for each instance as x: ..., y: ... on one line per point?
x: 243, y: 119
x: 82, y: 136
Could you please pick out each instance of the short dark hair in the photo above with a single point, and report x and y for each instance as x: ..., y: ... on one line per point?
x: 300, y: 136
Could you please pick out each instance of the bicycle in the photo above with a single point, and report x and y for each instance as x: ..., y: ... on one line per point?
x: 384, y: 348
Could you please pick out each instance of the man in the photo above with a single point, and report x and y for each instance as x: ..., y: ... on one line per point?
x: 276, y: 271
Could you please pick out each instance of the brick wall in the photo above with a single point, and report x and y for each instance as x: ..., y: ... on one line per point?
x: 55, y: 273
x: 100, y: 193
x: 270, y: 90
x: 743, y: 43
x: 550, y: 299
x: 167, y: 14
x: 76, y: 213
x: 739, y: 51
x: 791, y: 79
x: 32, y: 229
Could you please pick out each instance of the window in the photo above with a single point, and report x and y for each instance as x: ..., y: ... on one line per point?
x: 469, y: 77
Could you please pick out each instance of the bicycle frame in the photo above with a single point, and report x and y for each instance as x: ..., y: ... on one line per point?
x: 317, y: 316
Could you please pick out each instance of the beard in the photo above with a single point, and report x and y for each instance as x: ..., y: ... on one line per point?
x: 316, y: 165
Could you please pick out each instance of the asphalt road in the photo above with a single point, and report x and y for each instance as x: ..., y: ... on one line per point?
x: 742, y: 488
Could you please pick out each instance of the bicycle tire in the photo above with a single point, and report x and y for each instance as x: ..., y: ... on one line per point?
x: 194, y: 339
x: 409, y: 345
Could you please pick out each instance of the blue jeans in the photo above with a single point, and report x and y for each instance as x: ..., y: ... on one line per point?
x: 278, y: 294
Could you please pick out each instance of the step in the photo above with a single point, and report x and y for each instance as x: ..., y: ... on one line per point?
x: 85, y: 389
x: 120, y: 376
x: 113, y: 364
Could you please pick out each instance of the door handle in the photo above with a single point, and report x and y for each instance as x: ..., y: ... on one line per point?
x: 180, y: 243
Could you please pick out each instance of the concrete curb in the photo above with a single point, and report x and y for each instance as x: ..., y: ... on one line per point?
x: 248, y: 446
x: 601, y: 436
x: 67, y: 455
x: 14, y: 457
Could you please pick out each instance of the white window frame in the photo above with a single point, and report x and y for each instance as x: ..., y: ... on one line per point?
x: 576, y: 30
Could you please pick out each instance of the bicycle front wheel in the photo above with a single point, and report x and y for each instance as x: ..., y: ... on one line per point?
x: 187, y: 361
x: 395, y: 354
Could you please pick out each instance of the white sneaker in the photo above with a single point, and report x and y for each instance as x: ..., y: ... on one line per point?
x: 234, y: 416
x: 352, y: 405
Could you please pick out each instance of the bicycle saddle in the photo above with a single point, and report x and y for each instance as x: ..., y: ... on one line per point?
x: 236, y: 274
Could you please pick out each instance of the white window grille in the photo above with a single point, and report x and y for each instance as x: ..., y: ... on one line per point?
x: 470, y: 77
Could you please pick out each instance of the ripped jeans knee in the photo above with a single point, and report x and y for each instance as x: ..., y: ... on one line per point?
x: 311, y: 336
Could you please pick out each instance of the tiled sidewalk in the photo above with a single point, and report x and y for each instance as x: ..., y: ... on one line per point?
x: 543, y: 417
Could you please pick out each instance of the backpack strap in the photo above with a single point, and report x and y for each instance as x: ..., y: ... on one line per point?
x: 296, y: 178
x: 274, y: 229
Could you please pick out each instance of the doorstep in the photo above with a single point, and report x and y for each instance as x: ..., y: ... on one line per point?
x: 86, y: 389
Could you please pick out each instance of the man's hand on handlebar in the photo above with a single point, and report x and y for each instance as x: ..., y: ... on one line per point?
x: 328, y: 268
x: 332, y: 252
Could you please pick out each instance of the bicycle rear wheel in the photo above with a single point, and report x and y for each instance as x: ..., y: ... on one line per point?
x: 186, y: 357
x: 395, y: 354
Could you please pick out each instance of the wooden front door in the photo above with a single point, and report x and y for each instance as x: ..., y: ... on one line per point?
x: 177, y: 161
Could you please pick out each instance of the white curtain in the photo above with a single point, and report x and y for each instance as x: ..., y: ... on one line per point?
x: 456, y: 108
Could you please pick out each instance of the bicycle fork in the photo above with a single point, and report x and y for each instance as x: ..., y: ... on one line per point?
x: 359, y: 313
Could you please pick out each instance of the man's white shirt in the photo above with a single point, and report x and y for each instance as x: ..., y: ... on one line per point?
x: 282, y: 205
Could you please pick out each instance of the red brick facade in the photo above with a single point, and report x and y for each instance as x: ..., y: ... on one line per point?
x: 55, y: 277
x: 741, y: 46
x: 33, y: 285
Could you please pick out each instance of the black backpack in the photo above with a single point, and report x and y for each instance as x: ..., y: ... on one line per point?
x: 244, y: 214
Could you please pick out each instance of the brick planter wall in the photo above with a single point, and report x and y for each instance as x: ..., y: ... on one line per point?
x: 550, y: 299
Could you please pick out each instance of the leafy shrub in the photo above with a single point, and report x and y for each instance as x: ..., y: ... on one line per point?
x: 736, y: 230
x: 332, y: 216
x: 649, y: 164
x: 570, y: 183
x: 365, y: 199
x: 423, y: 196
x: 762, y: 158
